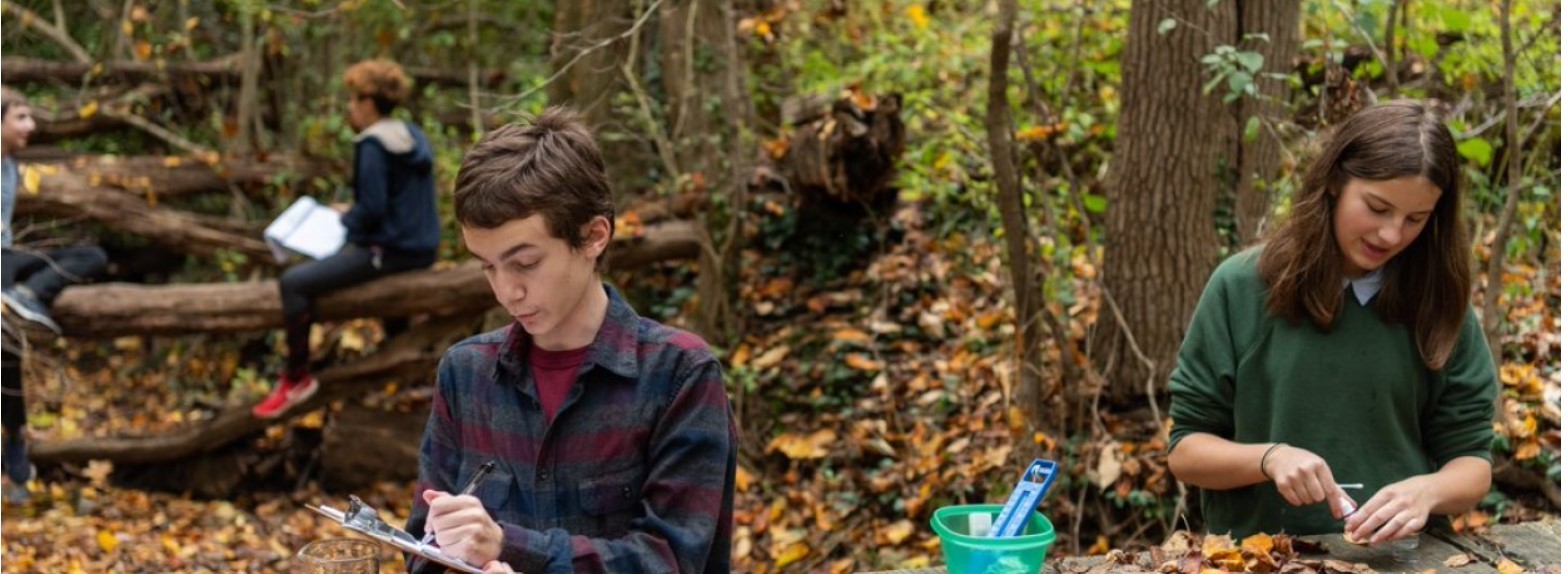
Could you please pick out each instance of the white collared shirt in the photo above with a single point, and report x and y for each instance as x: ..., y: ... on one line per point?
x: 1366, y: 286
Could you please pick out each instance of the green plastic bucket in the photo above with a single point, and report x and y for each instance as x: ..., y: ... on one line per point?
x: 973, y: 553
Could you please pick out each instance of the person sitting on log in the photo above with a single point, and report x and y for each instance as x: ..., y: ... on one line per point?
x: 392, y: 226
x: 613, y: 439
x: 30, y: 282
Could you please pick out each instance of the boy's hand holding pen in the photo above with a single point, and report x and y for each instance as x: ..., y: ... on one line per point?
x: 473, y: 484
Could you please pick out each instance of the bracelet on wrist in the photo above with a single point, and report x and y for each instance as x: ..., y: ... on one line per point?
x: 1263, y: 464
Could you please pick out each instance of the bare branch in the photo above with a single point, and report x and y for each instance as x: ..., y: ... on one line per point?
x: 32, y: 19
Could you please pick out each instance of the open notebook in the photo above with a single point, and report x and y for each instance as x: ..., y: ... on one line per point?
x: 307, y: 228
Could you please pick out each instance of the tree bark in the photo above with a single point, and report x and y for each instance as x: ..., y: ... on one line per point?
x: 1160, y: 241
x: 1258, y: 160
x: 116, y: 309
x: 1022, y: 251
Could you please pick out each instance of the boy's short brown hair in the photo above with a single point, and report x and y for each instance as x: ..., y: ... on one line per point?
x: 380, y: 80
x: 10, y: 97
x: 550, y: 167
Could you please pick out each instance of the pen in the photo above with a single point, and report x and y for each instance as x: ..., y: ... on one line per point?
x: 473, y: 484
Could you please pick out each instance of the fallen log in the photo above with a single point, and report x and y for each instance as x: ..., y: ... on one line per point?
x: 172, y: 176
x: 225, y: 69
x: 64, y: 194
x: 410, y: 356
x: 116, y: 309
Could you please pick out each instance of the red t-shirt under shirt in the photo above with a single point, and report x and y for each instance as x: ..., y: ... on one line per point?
x: 554, y: 372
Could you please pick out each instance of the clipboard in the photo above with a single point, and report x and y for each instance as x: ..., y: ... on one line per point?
x: 361, y: 518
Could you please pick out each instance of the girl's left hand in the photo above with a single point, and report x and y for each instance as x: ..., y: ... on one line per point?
x: 1397, y: 511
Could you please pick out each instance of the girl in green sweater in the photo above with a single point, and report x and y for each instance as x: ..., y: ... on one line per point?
x: 1344, y: 350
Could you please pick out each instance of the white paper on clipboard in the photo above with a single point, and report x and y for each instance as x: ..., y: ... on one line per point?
x: 365, y: 521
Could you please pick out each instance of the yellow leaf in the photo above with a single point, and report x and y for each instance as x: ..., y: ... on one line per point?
x: 31, y: 178
x: 764, y: 30
x: 899, y: 531
x: 127, y: 27
x: 741, y: 355
x: 352, y: 340
x: 1260, y: 544
x: 89, y: 110
x: 313, y: 420
x: 107, y: 541
x: 169, y: 545
x: 1101, y: 546
x: 743, y: 479
x: 192, y: 22
x: 791, y: 554
x: 1509, y: 567
x: 918, y: 16
x: 860, y: 362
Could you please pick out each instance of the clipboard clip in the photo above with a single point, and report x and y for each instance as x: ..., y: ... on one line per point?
x: 362, y: 518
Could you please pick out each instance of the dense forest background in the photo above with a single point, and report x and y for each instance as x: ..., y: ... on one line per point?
x: 931, y: 240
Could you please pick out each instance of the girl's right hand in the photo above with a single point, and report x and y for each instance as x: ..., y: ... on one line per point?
x: 1303, y: 478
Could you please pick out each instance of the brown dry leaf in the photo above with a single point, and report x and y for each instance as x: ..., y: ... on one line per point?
x: 771, y: 358
x: 852, y: 335
x: 143, y: 50
x: 1457, y: 560
x: 798, y: 447
x: 860, y: 362
x: 895, y: 533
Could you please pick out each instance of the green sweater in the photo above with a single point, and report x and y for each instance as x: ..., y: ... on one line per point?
x: 1358, y: 396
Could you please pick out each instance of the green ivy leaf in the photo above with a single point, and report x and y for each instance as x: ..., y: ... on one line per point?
x: 1477, y: 150
x: 1166, y: 25
x: 1253, y: 127
x: 1095, y: 203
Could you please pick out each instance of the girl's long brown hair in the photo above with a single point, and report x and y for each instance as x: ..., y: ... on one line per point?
x: 1425, y: 287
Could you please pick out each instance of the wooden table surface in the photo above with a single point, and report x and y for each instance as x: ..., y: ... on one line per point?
x: 1536, y: 546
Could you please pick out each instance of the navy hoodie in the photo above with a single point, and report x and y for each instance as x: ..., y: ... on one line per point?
x: 394, y: 190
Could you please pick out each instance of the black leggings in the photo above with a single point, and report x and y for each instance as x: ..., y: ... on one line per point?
x: 13, y: 405
x: 301, y: 284
x: 47, y: 273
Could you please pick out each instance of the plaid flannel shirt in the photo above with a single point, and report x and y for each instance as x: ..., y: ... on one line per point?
x: 635, y: 474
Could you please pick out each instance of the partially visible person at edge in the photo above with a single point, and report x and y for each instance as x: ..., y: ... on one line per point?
x: 1344, y: 350
x: 613, y: 435
x: 30, y: 282
x: 392, y: 226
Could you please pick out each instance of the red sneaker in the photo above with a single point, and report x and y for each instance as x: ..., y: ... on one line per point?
x: 287, y: 395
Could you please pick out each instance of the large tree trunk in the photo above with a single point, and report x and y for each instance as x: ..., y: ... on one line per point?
x: 708, y: 150
x: 1160, y: 242
x: 1258, y: 159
